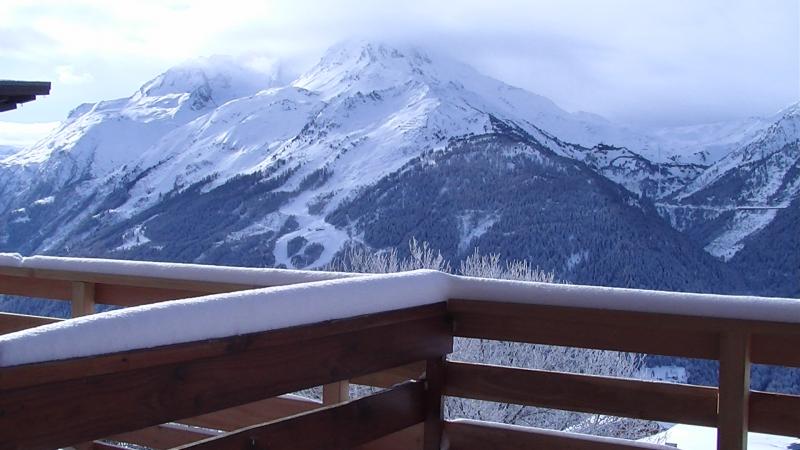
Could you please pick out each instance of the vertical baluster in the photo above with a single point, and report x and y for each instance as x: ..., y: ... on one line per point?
x: 734, y: 391
x: 82, y: 298
x: 434, y: 420
x: 336, y: 392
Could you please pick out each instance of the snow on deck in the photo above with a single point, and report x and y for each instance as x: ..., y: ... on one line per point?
x: 609, y: 441
x: 317, y: 300
x: 692, y: 437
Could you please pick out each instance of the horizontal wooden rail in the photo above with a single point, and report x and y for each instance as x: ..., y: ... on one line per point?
x: 253, y: 413
x: 661, y: 334
x: 469, y: 435
x: 345, y: 425
x: 109, y: 289
x: 666, y: 402
x: 396, y: 375
x: 265, y: 365
x: 48, y: 372
x: 10, y: 322
x: 774, y: 413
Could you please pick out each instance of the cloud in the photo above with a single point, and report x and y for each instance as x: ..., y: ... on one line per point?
x: 68, y: 75
x: 24, y: 134
x: 676, y: 61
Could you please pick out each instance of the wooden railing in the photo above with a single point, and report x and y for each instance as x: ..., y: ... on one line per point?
x: 221, y: 393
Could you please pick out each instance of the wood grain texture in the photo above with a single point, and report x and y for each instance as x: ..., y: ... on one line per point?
x: 39, y: 288
x: 408, y: 439
x: 663, y: 334
x: 118, y: 290
x: 341, y: 426
x: 435, y: 379
x: 734, y: 391
x: 395, y: 375
x: 774, y: 413
x: 596, y: 329
x: 82, y: 298
x: 91, y: 407
x: 584, y: 393
x: 48, y: 372
x: 253, y: 413
x: 334, y: 393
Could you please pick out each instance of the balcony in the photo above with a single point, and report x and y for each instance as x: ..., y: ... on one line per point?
x: 216, y: 369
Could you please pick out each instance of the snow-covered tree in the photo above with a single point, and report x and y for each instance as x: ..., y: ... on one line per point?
x: 357, y: 258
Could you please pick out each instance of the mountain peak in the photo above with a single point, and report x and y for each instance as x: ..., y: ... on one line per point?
x: 370, y: 52
x: 215, y: 79
x: 367, y: 65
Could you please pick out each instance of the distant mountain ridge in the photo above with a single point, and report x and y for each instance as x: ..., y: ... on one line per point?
x: 215, y: 162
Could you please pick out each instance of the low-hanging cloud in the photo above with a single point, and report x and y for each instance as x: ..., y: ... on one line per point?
x: 669, y: 62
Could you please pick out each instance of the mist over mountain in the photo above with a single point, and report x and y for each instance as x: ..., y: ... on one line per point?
x: 216, y: 162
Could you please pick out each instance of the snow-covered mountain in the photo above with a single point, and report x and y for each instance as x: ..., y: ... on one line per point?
x: 8, y: 150
x: 744, y: 191
x: 212, y: 161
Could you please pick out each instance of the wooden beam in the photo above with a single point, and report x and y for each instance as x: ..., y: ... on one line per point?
x: 334, y: 393
x: 579, y: 327
x: 10, y: 322
x: 665, y: 334
x: 396, y: 375
x: 44, y: 416
x: 776, y: 349
x: 82, y: 298
x: 341, y: 426
x: 124, y: 295
x: 163, y: 436
x: 774, y: 413
x: 734, y: 391
x: 121, y: 290
x: 434, y: 390
x: 253, y: 413
x: 13, y: 87
x: 471, y: 435
x: 38, y: 288
x: 649, y: 400
x: 408, y: 439
x: 49, y: 372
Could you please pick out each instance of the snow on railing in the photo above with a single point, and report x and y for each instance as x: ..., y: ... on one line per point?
x: 174, y: 271
x: 221, y: 315
x: 257, y: 310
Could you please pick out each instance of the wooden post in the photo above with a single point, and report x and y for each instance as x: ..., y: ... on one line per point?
x: 82, y: 298
x: 334, y: 393
x: 434, y: 389
x: 734, y: 391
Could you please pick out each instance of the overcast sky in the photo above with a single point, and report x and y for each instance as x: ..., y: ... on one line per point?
x: 656, y: 62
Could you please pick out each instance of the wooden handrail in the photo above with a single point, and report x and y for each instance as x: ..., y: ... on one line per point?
x: 265, y: 365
